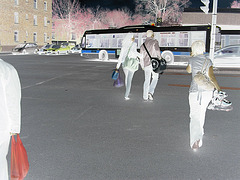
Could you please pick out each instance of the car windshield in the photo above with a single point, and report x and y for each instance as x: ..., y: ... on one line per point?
x: 47, y: 46
x: 20, y: 45
x: 56, y: 46
x: 229, y: 50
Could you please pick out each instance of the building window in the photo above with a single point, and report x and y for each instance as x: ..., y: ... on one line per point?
x: 35, y: 37
x: 16, y: 18
x: 16, y: 36
x: 45, y: 6
x: 26, y: 16
x: 35, y: 4
x: 53, y: 35
x: 45, y: 21
x: 45, y: 37
x: 26, y: 34
x: 73, y: 36
x: 35, y: 20
x: 16, y: 2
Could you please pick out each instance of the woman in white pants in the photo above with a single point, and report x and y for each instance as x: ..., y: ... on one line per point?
x: 10, y: 113
x: 129, y: 49
x: 198, y: 97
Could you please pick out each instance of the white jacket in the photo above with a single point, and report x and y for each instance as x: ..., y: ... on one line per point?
x: 132, y: 53
x: 10, y: 97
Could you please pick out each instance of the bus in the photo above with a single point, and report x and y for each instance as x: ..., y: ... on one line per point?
x: 173, y: 40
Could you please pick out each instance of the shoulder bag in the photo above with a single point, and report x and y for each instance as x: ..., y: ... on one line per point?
x: 203, y: 80
x: 158, y: 65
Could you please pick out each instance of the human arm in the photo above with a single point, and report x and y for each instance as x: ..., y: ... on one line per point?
x: 157, y: 49
x: 213, y: 79
x: 122, y: 56
x: 13, y: 100
x: 133, y: 53
x: 141, y: 59
x: 188, y: 69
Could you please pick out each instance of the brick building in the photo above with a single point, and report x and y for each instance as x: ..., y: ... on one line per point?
x: 25, y: 21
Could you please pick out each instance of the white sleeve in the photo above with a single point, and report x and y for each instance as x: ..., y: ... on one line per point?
x: 122, y: 56
x: 134, y: 53
x: 13, y: 100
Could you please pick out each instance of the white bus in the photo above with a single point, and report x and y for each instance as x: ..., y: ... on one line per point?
x: 173, y: 40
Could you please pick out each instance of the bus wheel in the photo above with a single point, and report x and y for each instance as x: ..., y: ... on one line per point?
x: 168, y: 56
x: 103, y: 55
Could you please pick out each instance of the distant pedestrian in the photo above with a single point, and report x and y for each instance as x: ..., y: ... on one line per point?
x: 152, y: 46
x: 198, y: 97
x: 10, y: 112
x: 128, y: 52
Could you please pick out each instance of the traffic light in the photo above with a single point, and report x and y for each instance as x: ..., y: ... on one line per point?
x: 205, y: 8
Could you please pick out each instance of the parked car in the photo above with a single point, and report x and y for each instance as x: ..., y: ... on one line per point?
x: 25, y: 48
x: 52, y: 48
x: 59, y: 49
x: 228, y: 56
x: 76, y: 49
x: 43, y: 50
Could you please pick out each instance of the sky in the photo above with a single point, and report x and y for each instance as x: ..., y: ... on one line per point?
x: 118, y: 4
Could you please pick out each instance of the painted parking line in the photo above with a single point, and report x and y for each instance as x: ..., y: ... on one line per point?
x: 183, y: 85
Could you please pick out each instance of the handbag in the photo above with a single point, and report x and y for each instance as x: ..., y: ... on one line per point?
x: 203, y: 80
x: 131, y: 63
x: 158, y: 65
x: 115, y: 74
x: 118, y: 82
x: 19, y: 159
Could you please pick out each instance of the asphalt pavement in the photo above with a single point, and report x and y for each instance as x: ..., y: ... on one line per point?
x: 77, y: 126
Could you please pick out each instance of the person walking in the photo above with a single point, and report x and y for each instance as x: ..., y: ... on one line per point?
x: 10, y: 112
x: 198, y: 97
x: 128, y: 52
x: 152, y: 46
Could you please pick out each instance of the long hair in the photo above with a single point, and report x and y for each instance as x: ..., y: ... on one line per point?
x: 127, y: 41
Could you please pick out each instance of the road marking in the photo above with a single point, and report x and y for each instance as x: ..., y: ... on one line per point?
x: 183, y: 85
x: 48, y: 80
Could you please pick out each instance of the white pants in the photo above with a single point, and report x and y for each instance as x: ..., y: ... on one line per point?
x: 128, y: 80
x: 148, y: 86
x: 198, y: 106
x: 4, y: 145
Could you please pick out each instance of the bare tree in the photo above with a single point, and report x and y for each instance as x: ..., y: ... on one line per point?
x: 168, y: 11
x: 235, y: 4
x: 64, y: 16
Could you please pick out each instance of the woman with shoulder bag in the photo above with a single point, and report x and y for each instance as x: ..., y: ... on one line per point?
x: 199, y: 96
x: 129, y: 60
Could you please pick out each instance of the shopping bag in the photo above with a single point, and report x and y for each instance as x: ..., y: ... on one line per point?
x: 118, y: 82
x: 115, y: 74
x: 19, y: 160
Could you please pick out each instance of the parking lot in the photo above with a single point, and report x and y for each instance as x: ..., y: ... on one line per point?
x: 77, y: 126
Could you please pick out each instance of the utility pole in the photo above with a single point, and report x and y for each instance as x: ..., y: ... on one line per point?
x: 213, y: 30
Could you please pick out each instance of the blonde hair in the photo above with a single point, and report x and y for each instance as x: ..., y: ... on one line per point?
x: 198, y: 47
x: 150, y: 33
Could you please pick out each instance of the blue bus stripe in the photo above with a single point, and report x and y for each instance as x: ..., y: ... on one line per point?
x: 176, y: 53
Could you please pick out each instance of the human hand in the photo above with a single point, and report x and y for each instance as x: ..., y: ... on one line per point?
x: 13, y: 134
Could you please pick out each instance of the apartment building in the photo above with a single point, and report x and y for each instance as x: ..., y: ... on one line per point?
x: 25, y: 21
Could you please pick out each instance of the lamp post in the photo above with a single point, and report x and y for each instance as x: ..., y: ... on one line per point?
x: 213, y: 29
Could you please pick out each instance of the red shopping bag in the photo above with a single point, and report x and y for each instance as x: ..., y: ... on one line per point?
x: 19, y: 160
